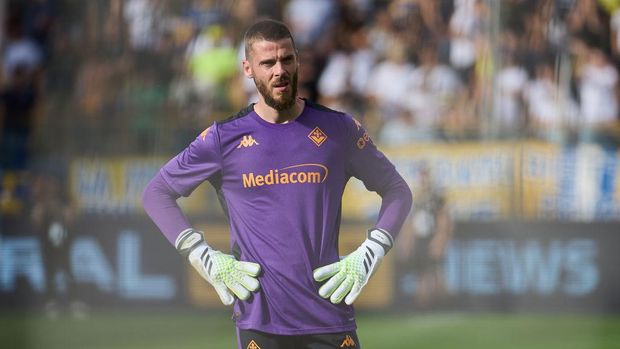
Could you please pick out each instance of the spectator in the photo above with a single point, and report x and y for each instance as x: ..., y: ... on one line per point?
x: 381, y: 33
x: 466, y: 24
x: 20, y: 51
x: 39, y: 19
x: 510, y: 82
x: 347, y: 72
x: 365, y: 48
x: 534, y: 44
x: 310, y: 20
x: 432, y: 89
x: 141, y: 17
x: 147, y: 108
x: 615, y: 35
x: 585, y: 21
x: 211, y: 61
x: 18, y: 103
x: 597, y: 85
x: 551, y: 110
x: 388, y: 84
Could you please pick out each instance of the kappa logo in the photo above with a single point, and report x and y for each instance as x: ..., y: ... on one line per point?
x: 247, y: 141
x: 317, y: 136
x: 253, y: 345
x: 204, y: 133
x: 357, y: 124
x: 348, y: 342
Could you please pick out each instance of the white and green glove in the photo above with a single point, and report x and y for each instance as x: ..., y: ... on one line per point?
x: 221, y: 270
x: 348, y: 276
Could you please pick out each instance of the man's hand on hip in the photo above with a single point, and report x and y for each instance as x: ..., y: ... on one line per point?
x: 221, y: 270
x: 348, y: 276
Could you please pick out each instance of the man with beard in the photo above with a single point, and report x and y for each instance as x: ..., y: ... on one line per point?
x: 280, y: 167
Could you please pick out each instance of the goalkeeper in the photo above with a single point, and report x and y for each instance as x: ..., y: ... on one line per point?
x: 280, y: 167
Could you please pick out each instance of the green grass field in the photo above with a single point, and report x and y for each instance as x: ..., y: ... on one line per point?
x: 175, y: 329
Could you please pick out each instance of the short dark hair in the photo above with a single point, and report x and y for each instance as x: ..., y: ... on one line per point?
x: 266, y: 29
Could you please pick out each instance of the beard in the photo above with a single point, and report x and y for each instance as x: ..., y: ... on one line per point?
x: 286, y: 101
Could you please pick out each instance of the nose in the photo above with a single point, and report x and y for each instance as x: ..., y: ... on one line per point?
x: 278, y: 69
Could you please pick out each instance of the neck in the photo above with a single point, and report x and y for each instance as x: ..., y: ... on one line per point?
x: 274, y: 116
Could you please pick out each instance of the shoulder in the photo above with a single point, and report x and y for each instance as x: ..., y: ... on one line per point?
x: 240, y: 115
x: 332, y: 116
x: 347, y: 124
x: 323, y: 109
x: 327, y: 114
x: 213, y: 133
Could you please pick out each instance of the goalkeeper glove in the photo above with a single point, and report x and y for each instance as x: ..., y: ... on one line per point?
x: 221, y: 270
x: 348, y: 276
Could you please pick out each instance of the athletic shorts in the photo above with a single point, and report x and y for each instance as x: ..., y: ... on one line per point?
x: 250, y: 339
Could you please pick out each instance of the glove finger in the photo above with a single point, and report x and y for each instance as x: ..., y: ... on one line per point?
x: 248, y: 268
x: 225, y: 296
x: 248, y: 282
x: 327, y: 271
x: 238, y: 289
x: 332, y: 284
x: 341, y: 291
x: 355, y: 291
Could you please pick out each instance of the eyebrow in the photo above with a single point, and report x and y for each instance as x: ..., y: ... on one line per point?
x: 273, y: 60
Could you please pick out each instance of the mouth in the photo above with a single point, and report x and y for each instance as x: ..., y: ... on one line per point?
x: 281, y: 86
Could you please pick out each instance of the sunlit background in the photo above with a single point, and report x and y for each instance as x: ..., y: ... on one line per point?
x: 502, y: 115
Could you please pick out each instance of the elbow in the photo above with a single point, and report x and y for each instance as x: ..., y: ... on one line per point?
x: 398, y: 191
x: 146, y: 196
x: 157, y: 194
x: 408, y: 196
x: 152, y: 192
x: 401, y: 193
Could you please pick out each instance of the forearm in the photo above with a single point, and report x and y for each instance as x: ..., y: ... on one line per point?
x: 395, y: 206
x: 159, y: 201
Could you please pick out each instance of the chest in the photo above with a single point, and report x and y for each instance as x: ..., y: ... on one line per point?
x: 301, y: 153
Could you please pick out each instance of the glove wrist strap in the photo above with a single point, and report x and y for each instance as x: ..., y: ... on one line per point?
x: 188, y: 240
x: 382, y: 238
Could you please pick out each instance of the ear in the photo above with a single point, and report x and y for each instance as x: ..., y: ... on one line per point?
x: 247, y: 69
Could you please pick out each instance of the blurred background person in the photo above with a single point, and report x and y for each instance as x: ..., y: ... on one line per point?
x: 18, y: 105
x: 598, y: 81
x: 388, y: 84
x: 552, y: 112
x: 311, y: 21
x: 431, y: 91
x: 422, y: 244
x: 511, y: 80
x: 344, y: 79
x: 20, y: 51
x: 52, y: 216
x: 463, y: 26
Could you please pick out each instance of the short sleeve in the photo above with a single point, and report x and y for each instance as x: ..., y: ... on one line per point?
x: 195, y: 164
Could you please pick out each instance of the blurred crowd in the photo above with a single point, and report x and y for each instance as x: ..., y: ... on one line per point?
x: 144, y: 77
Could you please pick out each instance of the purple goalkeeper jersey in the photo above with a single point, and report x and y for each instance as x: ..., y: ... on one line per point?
x: 281, y: 186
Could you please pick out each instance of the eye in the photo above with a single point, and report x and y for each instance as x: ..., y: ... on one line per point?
x: 268, y: 63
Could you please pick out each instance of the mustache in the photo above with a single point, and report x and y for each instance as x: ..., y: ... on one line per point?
x: 281, y: 81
